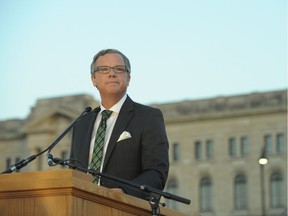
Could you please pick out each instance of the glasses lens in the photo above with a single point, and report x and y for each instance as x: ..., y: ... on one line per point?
x: 103, y: 69
x: 120, y: 69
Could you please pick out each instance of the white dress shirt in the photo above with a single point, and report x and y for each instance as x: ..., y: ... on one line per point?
x: 109, y: 128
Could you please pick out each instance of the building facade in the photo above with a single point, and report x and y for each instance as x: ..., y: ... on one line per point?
x: 215, y: 145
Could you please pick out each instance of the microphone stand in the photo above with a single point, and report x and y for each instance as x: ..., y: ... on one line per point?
x: 24, y: 162
x: 155, y: 194
x: 49, y: 149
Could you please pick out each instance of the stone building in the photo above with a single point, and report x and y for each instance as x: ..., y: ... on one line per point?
x: 215, y: 145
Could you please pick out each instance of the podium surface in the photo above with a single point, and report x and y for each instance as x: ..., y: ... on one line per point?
x: 66, y: 193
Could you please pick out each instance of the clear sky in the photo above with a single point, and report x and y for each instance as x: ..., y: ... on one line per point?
x: 179, y: 50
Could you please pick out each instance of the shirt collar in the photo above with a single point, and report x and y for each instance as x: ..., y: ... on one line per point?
x: 116, y: 108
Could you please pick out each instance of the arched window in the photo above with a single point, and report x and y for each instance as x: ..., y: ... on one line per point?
x: 205, y: 195
x: 240, y: 192
x: 277, y: 195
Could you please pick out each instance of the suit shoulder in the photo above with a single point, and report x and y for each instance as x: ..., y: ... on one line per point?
x: 146, y: 108
x: 130, y: 105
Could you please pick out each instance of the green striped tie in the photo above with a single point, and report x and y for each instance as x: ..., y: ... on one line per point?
x: 99, y: 144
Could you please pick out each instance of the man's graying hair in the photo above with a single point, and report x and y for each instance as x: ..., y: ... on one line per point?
x: 106, y: 51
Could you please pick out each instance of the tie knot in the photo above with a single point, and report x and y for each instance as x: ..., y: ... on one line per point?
x: 106, y: 114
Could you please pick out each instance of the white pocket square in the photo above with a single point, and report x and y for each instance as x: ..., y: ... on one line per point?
x: 124, y: 135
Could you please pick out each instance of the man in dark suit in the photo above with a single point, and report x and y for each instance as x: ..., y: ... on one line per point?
x: 135, y: 144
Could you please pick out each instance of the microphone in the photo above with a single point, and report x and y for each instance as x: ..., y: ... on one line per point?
x: 155, y: 194
x: 20, y: 164
x: 87, y: 109
x: 97, y: 109
x: 164, y: 194
x: 50, y: 158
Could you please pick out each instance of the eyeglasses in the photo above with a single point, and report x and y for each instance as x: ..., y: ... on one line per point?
x: 106, y: 69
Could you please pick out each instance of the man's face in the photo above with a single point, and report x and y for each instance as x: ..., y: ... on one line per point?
x: 111, y: 83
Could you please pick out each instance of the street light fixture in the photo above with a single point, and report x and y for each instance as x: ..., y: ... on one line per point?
x: 263, y: 160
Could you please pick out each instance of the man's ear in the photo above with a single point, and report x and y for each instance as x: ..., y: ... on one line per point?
x: 129, y: 78
x: 93, y: 79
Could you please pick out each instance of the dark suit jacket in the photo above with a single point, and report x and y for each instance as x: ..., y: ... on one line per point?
x: 142, y: 159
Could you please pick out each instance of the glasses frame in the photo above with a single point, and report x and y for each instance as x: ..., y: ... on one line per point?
x: 99, y: 67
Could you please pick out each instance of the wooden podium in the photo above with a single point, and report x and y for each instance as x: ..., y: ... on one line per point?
x: 66, y: 193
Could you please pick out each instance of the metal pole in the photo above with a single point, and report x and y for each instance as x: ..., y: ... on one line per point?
x: 262, y: 179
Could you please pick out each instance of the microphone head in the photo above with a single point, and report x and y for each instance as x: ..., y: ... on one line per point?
x: 88, y: 109
x: 97, y: 109
x: 50, y: 158
x: 50, y: 163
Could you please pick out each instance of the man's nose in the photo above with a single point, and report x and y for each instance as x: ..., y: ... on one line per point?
x: 112, y: 72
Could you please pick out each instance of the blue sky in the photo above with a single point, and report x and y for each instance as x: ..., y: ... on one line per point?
x: 179, y: 50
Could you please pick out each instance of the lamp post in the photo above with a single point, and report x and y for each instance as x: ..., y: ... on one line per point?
x: 263, y: 160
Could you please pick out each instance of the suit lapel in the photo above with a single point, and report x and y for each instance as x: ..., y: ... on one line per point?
x: 124, y: 117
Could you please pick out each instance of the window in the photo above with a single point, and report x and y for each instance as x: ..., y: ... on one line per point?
x: 40, y: 163
x: 240, y: 193
x: 176, y: 152
x: 64, y: 155
x: 209, y: 149
x: 277, y: 195
x: 232, y: 147
x: 172, y: 187
x: 268, y: 144
x: 280, y: 143
x: 198, y: 151
x: 205, y: 195
x: 16, y: 161
x: 244, y: 146
x: 8, y: 162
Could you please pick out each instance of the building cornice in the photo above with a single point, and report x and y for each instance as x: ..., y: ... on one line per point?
x: 225, y: 107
